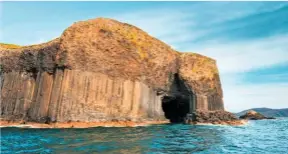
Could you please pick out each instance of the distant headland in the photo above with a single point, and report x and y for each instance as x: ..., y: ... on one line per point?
x: 268, y: 112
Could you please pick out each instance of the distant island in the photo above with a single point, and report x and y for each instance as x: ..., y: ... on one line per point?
x: 267, y: 112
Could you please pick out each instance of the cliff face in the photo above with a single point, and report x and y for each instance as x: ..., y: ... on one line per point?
x: 104, y: 70
x: 201, y: 75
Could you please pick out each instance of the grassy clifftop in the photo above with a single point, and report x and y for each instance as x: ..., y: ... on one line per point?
x: 9, y: 46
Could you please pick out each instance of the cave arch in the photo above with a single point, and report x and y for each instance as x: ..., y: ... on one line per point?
x: 179, y: 101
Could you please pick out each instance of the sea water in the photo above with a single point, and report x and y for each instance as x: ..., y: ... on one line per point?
x: 263, y: 136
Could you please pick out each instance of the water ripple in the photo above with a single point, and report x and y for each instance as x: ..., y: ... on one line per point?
x: 265, y: 137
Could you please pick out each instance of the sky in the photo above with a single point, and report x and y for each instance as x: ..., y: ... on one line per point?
x: 249, y: 40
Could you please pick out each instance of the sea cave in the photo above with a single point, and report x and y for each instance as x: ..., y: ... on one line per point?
x: 179, y: 102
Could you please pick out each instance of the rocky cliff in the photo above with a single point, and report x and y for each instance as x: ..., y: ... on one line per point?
x: 105, y: 70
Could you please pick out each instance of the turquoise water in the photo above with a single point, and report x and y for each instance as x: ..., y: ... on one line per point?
x: 265, y: 137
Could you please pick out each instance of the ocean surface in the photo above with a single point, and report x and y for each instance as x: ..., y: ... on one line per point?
x: 264, y: 137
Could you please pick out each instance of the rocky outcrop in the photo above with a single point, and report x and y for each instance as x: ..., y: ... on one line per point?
x: 105, y: 70
x: 213, y: 117
x: 253, y: 115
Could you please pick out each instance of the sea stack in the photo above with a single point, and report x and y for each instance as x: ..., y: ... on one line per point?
x: 102, y: 70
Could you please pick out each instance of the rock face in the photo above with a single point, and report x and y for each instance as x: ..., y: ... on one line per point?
x: 105, y: 70
x: 253, y: 115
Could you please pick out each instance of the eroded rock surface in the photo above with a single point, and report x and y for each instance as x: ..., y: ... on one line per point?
x: 214, y: 117
x: 105, y: 70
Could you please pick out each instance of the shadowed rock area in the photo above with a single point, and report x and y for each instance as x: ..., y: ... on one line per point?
x: 104, y: 70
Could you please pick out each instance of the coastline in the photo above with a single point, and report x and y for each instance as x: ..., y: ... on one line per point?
x: 79, y: 124
x: 22, y: 124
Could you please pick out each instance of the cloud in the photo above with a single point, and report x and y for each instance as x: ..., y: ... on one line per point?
x: 168, y: 25
x: 199, y: 22
x: 235, y: 57
x: 238, y: 97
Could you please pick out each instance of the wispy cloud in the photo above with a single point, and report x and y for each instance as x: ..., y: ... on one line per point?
x: 171, y: 26
x: 241, y: 56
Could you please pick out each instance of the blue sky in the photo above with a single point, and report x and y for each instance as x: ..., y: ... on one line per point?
x: 249, y: 40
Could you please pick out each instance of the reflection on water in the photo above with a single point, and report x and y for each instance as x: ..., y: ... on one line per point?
x: 259, y: 136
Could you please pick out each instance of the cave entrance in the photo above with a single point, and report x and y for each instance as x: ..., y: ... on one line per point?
x: 179, y: 102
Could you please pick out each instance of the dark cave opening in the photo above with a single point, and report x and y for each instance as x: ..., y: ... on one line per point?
x: 177, y: 104
x: 175, y: 108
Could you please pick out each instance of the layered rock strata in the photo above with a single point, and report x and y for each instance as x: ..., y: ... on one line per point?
x: 104, y: 70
